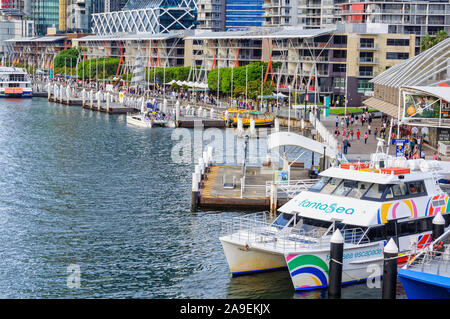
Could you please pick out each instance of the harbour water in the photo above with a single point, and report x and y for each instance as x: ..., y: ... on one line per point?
x: 82, y: 189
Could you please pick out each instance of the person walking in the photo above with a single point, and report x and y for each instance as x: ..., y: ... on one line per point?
x: 351, y: 134
x: 337, y: 121
x: 358, y: 133
x: 346, y: 144
x: 366, y: 136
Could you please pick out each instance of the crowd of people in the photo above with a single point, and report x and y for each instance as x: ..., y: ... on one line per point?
x: 360, y: 127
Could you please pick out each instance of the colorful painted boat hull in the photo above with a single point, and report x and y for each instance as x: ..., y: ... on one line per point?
x: 310, y: 270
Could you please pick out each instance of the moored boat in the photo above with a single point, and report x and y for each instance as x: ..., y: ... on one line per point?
x: 261, y: 119
x: 368, y: 203
x: 427, y: 276
x: 14, y: 82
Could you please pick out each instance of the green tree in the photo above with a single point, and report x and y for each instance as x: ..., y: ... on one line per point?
x: 106, y: 68
x: 67, y: 58
x: 429, y: 41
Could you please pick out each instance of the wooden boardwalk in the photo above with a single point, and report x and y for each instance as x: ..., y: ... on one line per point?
x: 213, y: 194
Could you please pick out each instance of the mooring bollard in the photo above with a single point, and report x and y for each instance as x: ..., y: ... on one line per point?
x: 438, y: 226
x: 108, y: 101
x: 390, y: 270
x: 336, y: 257
x: 210, y: 155
x: 194, y: 196
x: 91, y: 98
x: 277, y: 125
x: 68, y: 95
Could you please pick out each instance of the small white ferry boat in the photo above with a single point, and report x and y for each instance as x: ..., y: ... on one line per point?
x: 139, y: 120
x: 368, y: 202
x: 149, y: 119
x: 14, y: 82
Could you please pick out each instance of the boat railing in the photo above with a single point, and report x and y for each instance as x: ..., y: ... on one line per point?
x: 248, y: 226
x: 257, y: 229
x: 290, y: 188
x: 433, y: 259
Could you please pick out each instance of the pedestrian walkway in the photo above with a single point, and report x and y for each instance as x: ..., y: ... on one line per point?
x: 359, y: 148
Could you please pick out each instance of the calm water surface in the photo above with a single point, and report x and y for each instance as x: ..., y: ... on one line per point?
x: 82, y: 188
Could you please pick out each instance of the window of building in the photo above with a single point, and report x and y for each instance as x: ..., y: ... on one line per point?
x: 340, y: 54
x: 397, y: 55
x: 364, y: 86
x: 398, y: 42
x: 367, y: 42
x: 365, y: 71
x: 339, y: 83
x: 339, y: 68
x: 340, y: 39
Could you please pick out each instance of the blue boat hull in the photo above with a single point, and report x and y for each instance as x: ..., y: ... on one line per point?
x: 419, y: 285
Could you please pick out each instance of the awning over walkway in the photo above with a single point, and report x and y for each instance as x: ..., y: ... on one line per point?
x: 382, y: 106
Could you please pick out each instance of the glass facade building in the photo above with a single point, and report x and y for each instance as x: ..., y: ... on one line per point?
x: 155, y: 16
x: 45, y: 14
x: 242, y: 14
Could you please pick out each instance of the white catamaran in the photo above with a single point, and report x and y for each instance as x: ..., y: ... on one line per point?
x: 14, y: 82
x: 368, y: 202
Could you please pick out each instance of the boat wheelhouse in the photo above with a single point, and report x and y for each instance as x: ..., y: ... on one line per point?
x: 14, y: 82
x: 369, y: 204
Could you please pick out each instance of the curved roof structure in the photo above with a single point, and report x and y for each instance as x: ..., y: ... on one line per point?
x: 279, y: 139
x: 430, y: 68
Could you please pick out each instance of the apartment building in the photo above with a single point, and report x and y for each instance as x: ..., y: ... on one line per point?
x: 211, y: 15
x: 308, y: 13
x: 402, y: 17
x: 335, y: 62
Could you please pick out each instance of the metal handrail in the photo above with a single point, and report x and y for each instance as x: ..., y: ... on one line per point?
x: 257, y: 229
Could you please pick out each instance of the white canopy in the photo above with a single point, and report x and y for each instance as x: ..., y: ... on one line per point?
x: 441, y: 92
x: 279, y: 139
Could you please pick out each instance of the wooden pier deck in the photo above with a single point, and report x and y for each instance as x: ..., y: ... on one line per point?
x: 213, y: 194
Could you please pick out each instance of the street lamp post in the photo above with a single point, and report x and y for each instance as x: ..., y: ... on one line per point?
x: 289, y: 108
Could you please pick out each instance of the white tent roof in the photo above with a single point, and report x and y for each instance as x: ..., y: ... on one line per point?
x: 441, y: 92
x: 288, y: 138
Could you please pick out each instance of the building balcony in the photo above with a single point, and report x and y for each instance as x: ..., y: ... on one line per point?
x: 368, y: 61
x: 368, y: 46
x: 365, y: 74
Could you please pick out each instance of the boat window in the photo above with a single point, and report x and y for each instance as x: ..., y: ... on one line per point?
x: 416, y: 188
x: 407, y: 228
x: 282, y: 220
x: 331, y: 185
x: 352, y: 189
x: 308, y: 224
x: 399, y: 190
x: 359, y: 190
x: 344, y: 188
x: 317, y: 187
x: 375, y: 192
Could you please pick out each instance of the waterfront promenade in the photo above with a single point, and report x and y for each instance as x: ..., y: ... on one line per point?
x: 191, y: 109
